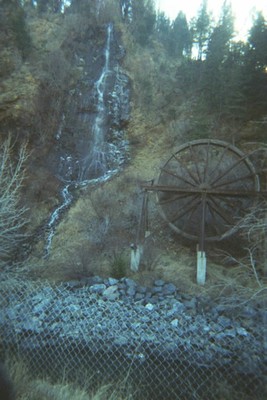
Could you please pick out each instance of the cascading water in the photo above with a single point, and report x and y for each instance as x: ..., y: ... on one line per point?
x: 51, y: 226
x: 66, y: 168
x: 95, y: 164
x: 97, y: 148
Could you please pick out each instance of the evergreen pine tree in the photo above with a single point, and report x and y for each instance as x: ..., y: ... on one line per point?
x: 201, y: 27
x: 255, y: 87
x: 218, y: 81
x: 181, y: 41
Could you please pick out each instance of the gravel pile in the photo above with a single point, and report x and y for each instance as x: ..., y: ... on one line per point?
x: 120, y: 316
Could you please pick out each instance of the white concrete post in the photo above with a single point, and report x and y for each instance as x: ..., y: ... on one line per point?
x: 136, y: 254
x: 201, y: 267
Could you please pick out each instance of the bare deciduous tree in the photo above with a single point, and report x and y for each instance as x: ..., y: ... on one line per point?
x: 12, y: 213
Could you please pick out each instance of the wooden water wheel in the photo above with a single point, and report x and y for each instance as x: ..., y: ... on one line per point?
x: 205, y: 189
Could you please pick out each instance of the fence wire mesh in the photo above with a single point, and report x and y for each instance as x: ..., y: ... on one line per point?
x: 159, y: 349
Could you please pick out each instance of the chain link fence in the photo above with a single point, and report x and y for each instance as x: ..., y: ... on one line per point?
x: 161, y: 349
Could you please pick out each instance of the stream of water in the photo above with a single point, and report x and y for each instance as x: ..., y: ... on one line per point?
x: 93, y: 168
x: 95, y: 164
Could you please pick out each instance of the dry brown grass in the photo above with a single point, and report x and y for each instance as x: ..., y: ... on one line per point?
x: 29, y: 387
x: 224, y: 283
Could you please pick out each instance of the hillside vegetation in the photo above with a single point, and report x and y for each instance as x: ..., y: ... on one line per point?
x: 189, y: 80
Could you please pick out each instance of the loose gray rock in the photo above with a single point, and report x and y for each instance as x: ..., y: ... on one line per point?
x: 98, y: 288
x: 111, y: 293
x: 159, y: 282
x: 169, y: 289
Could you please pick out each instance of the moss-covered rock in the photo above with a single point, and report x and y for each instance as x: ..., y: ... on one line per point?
x: 18, y: 97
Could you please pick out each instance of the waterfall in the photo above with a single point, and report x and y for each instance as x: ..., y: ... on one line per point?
x: 95, y: 164
x: 93, y: 149
x: 51, y: 226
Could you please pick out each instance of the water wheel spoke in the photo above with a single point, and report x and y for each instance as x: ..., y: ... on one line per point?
x: 218, y: 209
x: 187, y: 170
x: 177, y: 196
x: 192, y: 205
x: 222, y: 156
x: 207, y: 183
x: 189, y: 219
x: 214, y: 225
x: 233, y: 193
x: 207, y: 162
x: 195, y: 163
x: 174, y: 174
x: 229, y: 169
x: 236, y: 179
x: 236, y: 205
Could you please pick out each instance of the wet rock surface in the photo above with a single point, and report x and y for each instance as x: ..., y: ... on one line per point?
x: 100, y: 100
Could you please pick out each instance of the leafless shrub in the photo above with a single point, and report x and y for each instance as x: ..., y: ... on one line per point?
x: 117, y: 217
x: 151, y: 255
x: 55, y: 75
x: 251, y: 262
x: 56, y: 70
x: 12, y: 213
x: 79, y: 262
x: 254, y: 228
x: 178, y: 131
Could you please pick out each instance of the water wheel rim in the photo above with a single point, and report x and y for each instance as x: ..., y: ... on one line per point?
x: 208, y: 168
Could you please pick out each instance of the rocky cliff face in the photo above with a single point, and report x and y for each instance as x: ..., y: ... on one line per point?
x: 17, y: 81
x: 66, y: 94
x: 90, y: 137
x: 90, y: 140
